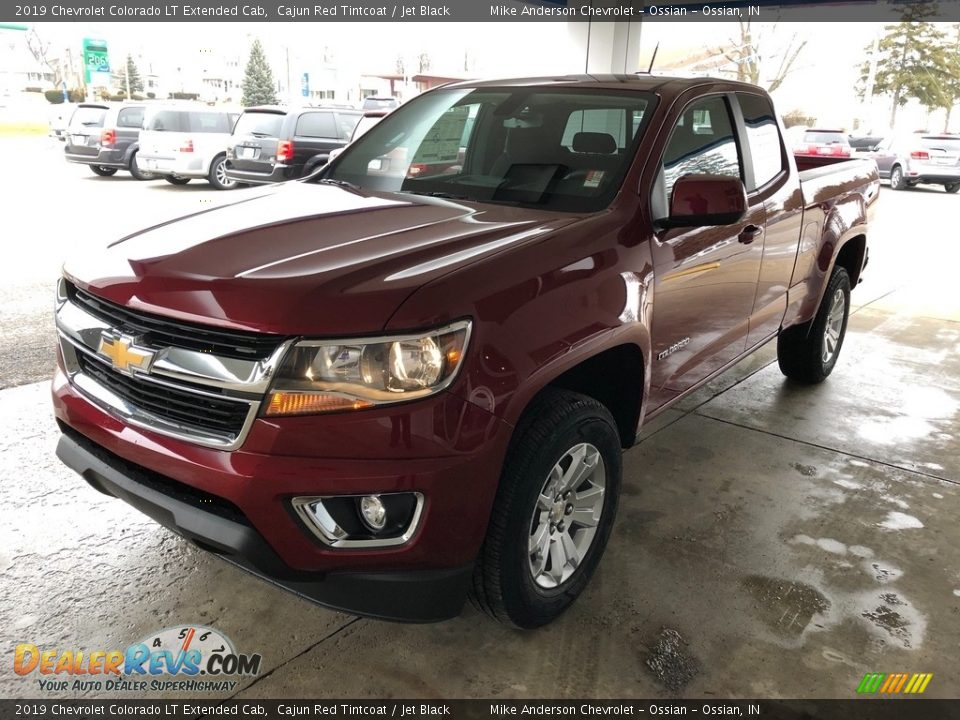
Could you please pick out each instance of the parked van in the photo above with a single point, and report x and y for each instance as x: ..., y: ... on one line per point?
x: 105, y: 136
x: 183, y: 142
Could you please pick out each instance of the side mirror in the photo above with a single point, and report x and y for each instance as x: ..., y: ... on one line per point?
x: 700, y: 200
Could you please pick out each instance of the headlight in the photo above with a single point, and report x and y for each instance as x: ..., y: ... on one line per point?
x: 328, y: 375
x: 61, y: 296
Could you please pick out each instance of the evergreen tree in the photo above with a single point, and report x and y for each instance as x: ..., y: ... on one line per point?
x: 913, y: 61
x: 136, y: 82
x: 258, y: 84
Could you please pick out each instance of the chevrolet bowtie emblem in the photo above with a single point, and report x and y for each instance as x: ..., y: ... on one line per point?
x: 124, y: 354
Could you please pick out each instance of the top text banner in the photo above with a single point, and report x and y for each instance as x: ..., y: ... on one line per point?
x: 472, y: 11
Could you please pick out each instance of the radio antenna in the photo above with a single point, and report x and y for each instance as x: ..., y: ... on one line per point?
x: 653, y: 58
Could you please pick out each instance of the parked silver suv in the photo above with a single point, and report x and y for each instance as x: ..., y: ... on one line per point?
x: 911, y: 160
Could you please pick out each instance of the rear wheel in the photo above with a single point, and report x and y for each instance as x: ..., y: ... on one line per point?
x: 808, y: 353
x: 176, y: 180
x: 137, y: 173
x: 103, y: 171
x: 218, y: 174
x: 952, y: 187
x: 896, y: 178
x: 553, y: 513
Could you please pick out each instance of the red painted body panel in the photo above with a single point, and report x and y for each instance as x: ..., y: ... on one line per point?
x: 546, y: 290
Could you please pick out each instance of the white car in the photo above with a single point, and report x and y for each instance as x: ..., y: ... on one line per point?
x: 183, y: 142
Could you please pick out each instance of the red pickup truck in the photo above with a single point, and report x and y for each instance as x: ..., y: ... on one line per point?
x: 388, y: 391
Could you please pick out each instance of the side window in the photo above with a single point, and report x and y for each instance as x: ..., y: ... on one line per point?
x: 130, y: 117
x: 346, y: 124
x: 702, y: 142
x: 766, y: 149
x: 318, y: 125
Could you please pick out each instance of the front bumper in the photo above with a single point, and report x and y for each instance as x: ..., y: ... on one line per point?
x: 238, y: 503
x: 417, y: 596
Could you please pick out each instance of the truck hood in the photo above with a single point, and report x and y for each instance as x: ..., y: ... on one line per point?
x: 303, y: 259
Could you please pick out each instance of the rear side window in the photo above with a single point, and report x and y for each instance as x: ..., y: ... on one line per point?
x: 261, y: 124
x: 346, y: 124
x: 609, y: 122
x: 763, y: 137
x: 318, y: 125
x: 130, y: 117
x: 210, y: 122
x: 168, y: 121
x: 702, y: 142
x: 88, y: 116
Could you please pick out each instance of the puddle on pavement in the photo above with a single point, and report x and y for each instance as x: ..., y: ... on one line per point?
x: 786, y: 607
x: 898, y: 620
x: 670, y: 664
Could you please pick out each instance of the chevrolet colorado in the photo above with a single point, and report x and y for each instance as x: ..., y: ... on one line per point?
x: 388, y: 390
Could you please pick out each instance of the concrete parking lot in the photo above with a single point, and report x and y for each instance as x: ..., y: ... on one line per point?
x: 772, y: 541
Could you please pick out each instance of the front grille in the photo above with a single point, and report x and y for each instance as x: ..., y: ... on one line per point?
x: 183, y: 407
x: 162, y: 331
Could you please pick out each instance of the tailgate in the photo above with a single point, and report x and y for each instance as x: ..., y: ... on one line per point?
x: 160, y: 143
x: 253, y: 153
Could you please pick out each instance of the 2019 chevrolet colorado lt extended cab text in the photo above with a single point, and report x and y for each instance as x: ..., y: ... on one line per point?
x: 386, y: 390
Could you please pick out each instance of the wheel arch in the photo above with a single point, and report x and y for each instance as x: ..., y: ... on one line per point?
x: 615, y: 377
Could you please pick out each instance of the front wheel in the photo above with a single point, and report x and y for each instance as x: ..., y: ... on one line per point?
x: 554, y: 510
x: 218, y: 175
x: 896, y: 178
x: 176, y: 180
x: 952, y: 187
x: 808, y: 352
x: 103, y: 171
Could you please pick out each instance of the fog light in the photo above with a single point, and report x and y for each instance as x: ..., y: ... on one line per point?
x: 373, y: 512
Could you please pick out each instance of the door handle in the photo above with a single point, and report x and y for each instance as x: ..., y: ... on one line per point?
x: 749, y: 234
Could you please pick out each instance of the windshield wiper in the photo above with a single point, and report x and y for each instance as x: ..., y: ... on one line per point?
x: 339, y: 183
x: 259, y: 134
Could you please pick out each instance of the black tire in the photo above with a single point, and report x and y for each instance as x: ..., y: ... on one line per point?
x: 218, y: 174
x: 136, y: 172
x: 952, y: 187
x: 896, y: 178
x: 175, y: 180
x: 802, y: 349
x: 556, y: 423
x: 103, y: 171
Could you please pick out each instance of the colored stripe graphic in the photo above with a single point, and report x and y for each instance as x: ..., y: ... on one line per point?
x: 894, y: 683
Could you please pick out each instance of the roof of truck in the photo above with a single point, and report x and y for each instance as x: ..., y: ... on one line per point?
x: 638, y: 81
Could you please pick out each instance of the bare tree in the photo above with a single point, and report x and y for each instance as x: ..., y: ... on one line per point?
x: 40, y: 49
x: 747, y: 55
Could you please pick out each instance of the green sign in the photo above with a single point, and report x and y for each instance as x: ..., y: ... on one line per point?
x: 95, y: 58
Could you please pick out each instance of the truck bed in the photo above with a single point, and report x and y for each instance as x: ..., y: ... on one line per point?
x: 825, y: 178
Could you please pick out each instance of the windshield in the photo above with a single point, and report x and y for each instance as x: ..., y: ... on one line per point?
x: 88, y: 117
x: 261, y: 124
x: 567, y: 149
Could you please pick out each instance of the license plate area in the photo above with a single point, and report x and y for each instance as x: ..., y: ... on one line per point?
x: 248, y: 153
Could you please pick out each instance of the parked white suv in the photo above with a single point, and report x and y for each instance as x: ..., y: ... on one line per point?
x: 182, y: 142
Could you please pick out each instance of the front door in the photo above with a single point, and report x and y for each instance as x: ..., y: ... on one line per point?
x: 705, y: 277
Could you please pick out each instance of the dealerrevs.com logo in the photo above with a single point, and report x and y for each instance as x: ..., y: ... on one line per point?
x: 193, y: 658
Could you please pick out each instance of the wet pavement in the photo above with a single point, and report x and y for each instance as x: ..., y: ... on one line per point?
x: 773, y: 541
